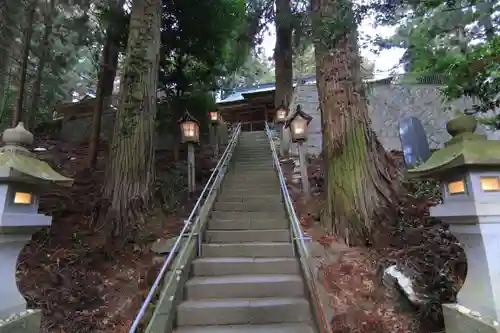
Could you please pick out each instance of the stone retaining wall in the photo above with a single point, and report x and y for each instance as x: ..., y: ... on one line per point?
x: 388, y: 105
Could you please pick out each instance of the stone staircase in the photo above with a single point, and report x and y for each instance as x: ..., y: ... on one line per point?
x: 247, y: 278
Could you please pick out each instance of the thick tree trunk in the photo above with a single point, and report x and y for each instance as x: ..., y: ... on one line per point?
x: 360, y: 180
x: 9, y: 16
x: 129, y: 183
x: 107, y: 74
x: 283, y: 53
x: 28, y: 32
x: 283, y: 61
x: 49, y: 19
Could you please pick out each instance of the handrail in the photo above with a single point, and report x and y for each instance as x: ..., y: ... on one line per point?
x: 299, y: 238
x: 189, y: 223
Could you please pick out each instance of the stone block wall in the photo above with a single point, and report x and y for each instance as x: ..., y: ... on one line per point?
x: 388, y: 105
x: 77, y: 130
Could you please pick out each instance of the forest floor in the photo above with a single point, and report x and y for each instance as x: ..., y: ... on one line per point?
x: 421, y: 247
x: 81, y: 281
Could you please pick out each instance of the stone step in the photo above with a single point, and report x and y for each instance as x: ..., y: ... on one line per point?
x: 271, y: 328
x: 248, y: 206
x: 241, y: 236
x: 242, y: 224
x: 243, y: 311
x: 243, y: 176
x: 249, y: 250
x: 251, y: 183
x: 247, y: 217
x: 264, y: 224
x: 252, y: 167
x: 243, y: 191
x: 245, y: 286
x: 253, y: 197
x: 242, y: 265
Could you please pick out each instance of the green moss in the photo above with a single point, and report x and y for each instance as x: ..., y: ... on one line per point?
x: 27, y: 164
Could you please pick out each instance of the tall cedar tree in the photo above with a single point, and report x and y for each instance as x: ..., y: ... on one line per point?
x: 360, y: 180
x: 129, y: 182
x: 283, y: 53
x: 107, y: 74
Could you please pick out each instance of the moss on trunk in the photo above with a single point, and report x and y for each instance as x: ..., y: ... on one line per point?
x: 129, y: 183
x: 360, y: 179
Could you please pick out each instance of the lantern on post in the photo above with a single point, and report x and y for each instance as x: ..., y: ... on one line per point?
x: 281, y: 113
x: 190, y: 129
x: 469, y: 169
x: 298, y: 123
x: 190, y: 134
x: 23, y: 178
x: 214, y: 121
x: 214, y: 117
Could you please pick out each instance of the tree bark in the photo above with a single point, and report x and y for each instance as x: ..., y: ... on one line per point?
x: 283, y: 53
x: 9, y: 16
x: 28, y: 32
x: 360, y: 180
x: 107, y: 74
x: 129, y: 182
x: 283, y: 61
x: 49, y: 19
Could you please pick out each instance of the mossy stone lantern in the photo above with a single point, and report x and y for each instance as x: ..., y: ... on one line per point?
x: 190, y: 129
x: 23, y: 177
x: 469, y: 169
x: 298, y: 123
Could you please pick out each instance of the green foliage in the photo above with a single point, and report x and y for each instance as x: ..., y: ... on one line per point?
x: 170, y: 110
x: 255, y: 70
x: 201, y: 44
x: 458, y: 41
x: 171, y: 184
x: 477, y: 75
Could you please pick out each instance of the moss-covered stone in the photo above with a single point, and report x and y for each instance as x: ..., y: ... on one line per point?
x: 27, y: 164
x: 466, y: 148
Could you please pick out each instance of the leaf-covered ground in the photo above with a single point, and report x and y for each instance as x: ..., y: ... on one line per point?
x: 81, y: 280
x: 420, y: 246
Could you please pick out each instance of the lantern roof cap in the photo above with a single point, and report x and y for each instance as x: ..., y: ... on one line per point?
x: 19, y: 164
x: 465, y: 149
x: 298, y: 112
x: 188, y: 117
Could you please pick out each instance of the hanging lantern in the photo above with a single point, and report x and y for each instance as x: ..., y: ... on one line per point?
x: 190, y: 129
x: 214, y: 117
x: 281, y: 113
x: 298, y: 123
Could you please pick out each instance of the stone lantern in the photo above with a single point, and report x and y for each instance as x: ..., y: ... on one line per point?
x: 23, y: 177
x: 469, y: 168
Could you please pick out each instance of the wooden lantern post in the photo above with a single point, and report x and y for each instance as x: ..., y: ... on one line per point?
x: 190, y: 134
x: 280, y: 118
x: 214, y: 122
x: 298, y: 123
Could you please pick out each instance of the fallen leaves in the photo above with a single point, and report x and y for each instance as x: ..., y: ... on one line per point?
x: 82, y: 282
x: 421, y: 246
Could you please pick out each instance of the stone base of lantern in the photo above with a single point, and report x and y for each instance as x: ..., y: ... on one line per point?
x: 28, y: 321
x: 458, y: 319
x: 11, y: 300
